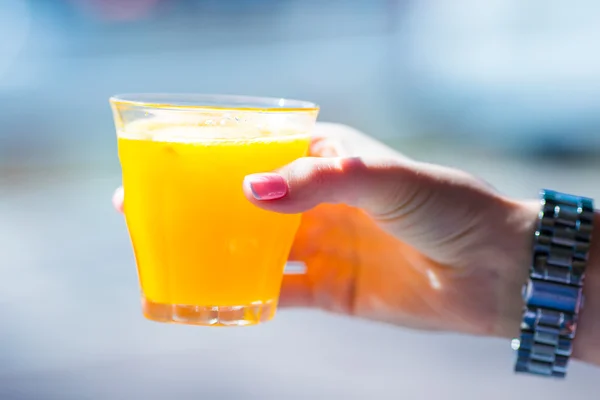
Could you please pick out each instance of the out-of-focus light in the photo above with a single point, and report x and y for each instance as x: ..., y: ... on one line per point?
x: 434, y: 281
x: 295, y: 268
x: 15, y: 25
x: 515, y: 344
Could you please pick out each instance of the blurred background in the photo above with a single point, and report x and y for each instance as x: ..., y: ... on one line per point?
x: 503, y: 88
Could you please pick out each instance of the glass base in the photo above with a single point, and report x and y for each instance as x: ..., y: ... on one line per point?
x: 245, y: 315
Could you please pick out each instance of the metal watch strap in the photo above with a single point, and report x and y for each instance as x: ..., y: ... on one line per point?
x: 553, y: 294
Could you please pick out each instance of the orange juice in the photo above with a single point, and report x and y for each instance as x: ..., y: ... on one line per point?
x: 199, y: 244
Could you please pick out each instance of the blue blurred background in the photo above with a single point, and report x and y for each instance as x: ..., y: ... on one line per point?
x: 503, y: 88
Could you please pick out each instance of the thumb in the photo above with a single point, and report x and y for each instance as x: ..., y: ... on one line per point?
x: 432, y: 208
x: 380, y: 187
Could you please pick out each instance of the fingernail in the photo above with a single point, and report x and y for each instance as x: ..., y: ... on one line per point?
x: 117, y: 199
x: 266, y: 186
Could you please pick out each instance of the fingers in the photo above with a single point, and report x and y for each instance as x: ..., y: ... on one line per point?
x: 374, y: 185
x: 337, y: 140
x: 296, y: 291
x: 117, y: 199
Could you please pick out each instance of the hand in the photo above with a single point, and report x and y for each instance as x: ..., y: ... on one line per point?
x: 394, y: 240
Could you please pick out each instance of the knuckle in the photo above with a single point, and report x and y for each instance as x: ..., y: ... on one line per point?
x: 313, y: 178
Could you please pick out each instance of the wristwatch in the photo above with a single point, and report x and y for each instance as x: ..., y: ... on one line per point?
x: 553, y: 295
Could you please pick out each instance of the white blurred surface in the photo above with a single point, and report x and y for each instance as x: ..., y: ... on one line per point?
x: 72, y: 326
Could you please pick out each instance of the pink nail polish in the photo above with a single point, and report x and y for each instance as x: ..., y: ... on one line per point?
x: 267, y: 186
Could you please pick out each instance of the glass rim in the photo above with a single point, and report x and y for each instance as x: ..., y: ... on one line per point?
x: 198, y: 101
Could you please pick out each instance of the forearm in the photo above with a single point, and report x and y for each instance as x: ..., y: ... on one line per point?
x: 586, y: 346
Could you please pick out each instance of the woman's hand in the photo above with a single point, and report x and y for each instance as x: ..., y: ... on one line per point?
x: 390, y: 239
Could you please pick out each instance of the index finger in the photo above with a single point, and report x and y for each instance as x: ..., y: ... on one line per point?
x: 117, y: 199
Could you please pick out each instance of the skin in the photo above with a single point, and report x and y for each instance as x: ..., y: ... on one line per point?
x: 430, y: 247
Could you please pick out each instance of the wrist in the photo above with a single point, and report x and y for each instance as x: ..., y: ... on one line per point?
x: 523, y: 216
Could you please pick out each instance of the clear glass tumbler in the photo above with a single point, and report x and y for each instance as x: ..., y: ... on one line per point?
x: 205, y: 255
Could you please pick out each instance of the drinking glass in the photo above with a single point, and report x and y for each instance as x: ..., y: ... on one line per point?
x: 205, y: 255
